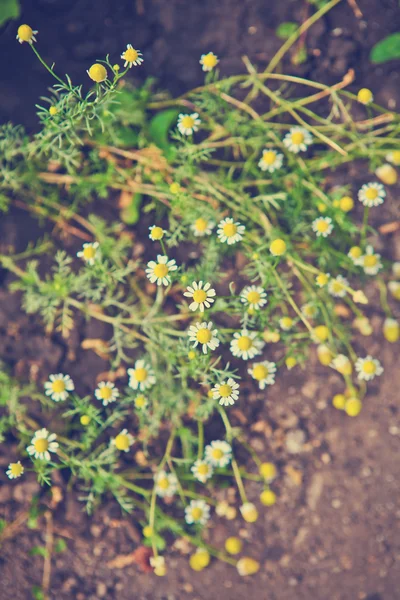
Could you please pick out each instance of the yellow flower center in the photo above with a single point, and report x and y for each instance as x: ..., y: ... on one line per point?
x: 41, y: 445
x: 297, y: 138
x: 355, y: 252
x: 201, y: 224
x: 105, y: 393
x: 253, y: 297
x: 131, y: 55
x: 140, y: 401
x: 16, y: 469
x: 371, y: 193
x: 337, y: 287
x: 217, y: 453
x: 369, y: 367
x: 260, y: 372
x: 370, y: 260
x: 286, y: 322
x: 53, y: 110
x: 322, y: 226
x: 140, y: 374
x: 197, y: 513
x: 225, y: 390
x: 229, y: 229
x: 244, y: 342
x: 98, y: 73
x: 187, y: 122
x: 163, y: 483
x: 210, y: 60
x: 160, y: 270
x: 157, y: 233
x: 25, y: 33
x: 58, y: 386
x: 396, y: 157
x: 203, y: 469
x: 122, y: 441
x: 199, y: 296
x: 203, y: 336
x: 174, y: 188
x: 89, y: 252
x: 278, y: 247
x: 269, y: 157
x: 322, y: 279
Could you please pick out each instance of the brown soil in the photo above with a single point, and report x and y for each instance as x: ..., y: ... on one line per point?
x: 333, y: 532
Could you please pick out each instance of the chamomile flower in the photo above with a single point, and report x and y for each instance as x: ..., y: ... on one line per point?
x: 387, y: 174
x: 226, y: 392
x: 372, y: 194
x: 156, y: 233
x: 297, y: 139
x: 309, y: 310
x: 26, y: 34
x: 208, y: 61
x: 188, y: 124
x: 141, y: 377
x: 131, y: 57
x: 342, y: 364
x: 42, y: 444
x: 322, y: 279
x: 202, y: 470
x: 106, y: 392
x: 198, y: 511
x: 254, y: 297
x: 58, y: 387
x: 322, y: 226
x: 166, y: 484
x: 205, y: 335
x: 89, y: 253
x: 367, y: 368
x: 365, y: 96
x: 286, y: 323
x: 159, y: 271
x: 370, y: 262
x: 97, y: 73
x: 140, y: 402
x: 245, y: 344
x: 263, y: 372
x: 202, y: 227
x: 355, y: 254
x: 202, y: 295
x: 337, y: 286
x: 271, y: 160
x: 15, y: 470
x: 218, y: 453
x: 394, y: 157
x: 230, y: 232
x: 123, y: 441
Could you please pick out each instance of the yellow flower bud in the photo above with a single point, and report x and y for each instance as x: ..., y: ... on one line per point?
x: 365, y: 96
x: 268, y: 471
x: 353, y: 406
x: 391, y: 330
x: 290, y: 362
x: 346, y: 204
x: 85, y: 420
x: 199, y: 560
x: 321, y: 333
x: 175, y: 188
x: 355, y: 252
x: 97, y: 73
x: 342, y: 364
x: 247, y: 566
x: 191, y: 355
x: 278, y: 247
x: 394, y: 289
x: 255, y: 256
x: 231, y: 513
x: 322, y: 207
x: 339, y: 401
x: 394, y: 157
x: 249, y: 512
x: 147, y: 531
x: 221, y: 508
x: 359, y: 297
x: 322, y: 279
x: 268, y: 498
x: 271, y: 336
x: 325, y: 356
x: 387, y: 174
x: 53, y: 110
x: 286, y: 323
x: 233, y: 545
x: 25, y: 33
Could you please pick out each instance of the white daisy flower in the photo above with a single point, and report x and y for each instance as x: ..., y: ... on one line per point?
x: 202, y: 470
x: 263, y: 372
x: 26, y: 34
x: 156, y: 233
x: 372, y: 194
x: 188, y: 124
x: 309, y: 310
x: 367, y: 368
x: 337, y: 286
x: 131, y: 57
x: 202, y: 333
x: 230, y: 232
x: 42, y: 444
x: 322, y: 226
x: 159, y: 271
x: 15, y: 470
x: 254, y: 297
x: 141, y: 377
x: 297, y: 139
x: 123, y: 441
x: 58, y: 387
x: 218, y: 453
x: 226, y: 392
x: 140, y: 402
x: 197, y: 512
x: 106, y: 392
x: 246, y: 345
x: 202, y: 227
x: 166, y: 484
x: 370, y: 262
x: 208, y: 61
x: 89, y: 253
x: 203, y: 296
x: 271, y: 160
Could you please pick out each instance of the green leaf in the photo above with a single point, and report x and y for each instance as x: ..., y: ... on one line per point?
x: 38, y: 551
x: 159, y: 128
x: 9, y: 9
x: 131, y: 213
x: 386, y: 49
x: 60, y: 545
x: 37, y: 593
x: 285, y: 30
